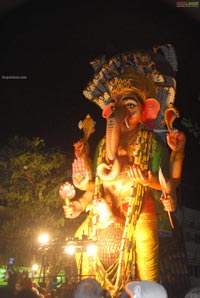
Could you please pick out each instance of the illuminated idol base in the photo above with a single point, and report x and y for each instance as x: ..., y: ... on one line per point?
x: 173, y: 272
x: 82, y: 257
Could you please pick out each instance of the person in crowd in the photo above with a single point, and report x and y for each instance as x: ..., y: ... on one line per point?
x: 145, y: 289
x: 193, y: 293
x: 27, y: 288
x: 11, y: 275
x: 26, y: 293
x: 53, y: 293
x: 66, y: 288
x: 90, y: 288
x: 6, y: 292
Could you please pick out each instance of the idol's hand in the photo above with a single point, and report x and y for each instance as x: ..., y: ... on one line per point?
x: 72, y: 210
x: 139, y: 176
x: 81, y: 149
x: 176, y: 140
x: 169, y: 198
x: 169, y: 203
x: 81, y: 175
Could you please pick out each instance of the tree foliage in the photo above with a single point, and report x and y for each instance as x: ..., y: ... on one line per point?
x: 30, y: 177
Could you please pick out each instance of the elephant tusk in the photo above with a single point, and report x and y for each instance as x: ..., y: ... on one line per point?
x: 127, y: 122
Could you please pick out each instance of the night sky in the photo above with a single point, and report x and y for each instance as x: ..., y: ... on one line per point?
x: 48, y: 45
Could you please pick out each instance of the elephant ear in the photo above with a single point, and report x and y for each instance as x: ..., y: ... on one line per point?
x: 150, y: 112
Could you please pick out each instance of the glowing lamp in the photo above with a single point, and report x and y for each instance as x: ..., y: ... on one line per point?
x: 91, y: 249
x: 44, y: 238
x: 35, y: 267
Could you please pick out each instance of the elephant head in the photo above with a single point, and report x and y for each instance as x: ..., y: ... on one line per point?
x: 127, y: 109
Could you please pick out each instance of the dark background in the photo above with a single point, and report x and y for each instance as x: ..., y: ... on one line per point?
x: 51, y: 44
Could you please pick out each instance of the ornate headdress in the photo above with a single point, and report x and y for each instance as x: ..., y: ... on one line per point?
x: 147, y: 73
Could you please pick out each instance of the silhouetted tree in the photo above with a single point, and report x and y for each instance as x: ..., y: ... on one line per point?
x: 30, y: 177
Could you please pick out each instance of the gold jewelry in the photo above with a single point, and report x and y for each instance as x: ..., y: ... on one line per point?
x: 128, y: 143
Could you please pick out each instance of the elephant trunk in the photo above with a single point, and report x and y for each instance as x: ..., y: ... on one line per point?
x: 110, y: 170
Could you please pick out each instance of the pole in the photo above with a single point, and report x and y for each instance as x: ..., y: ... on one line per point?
x: 44, y: 268
x: 81, y: 262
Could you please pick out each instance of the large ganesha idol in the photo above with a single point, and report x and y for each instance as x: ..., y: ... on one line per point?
x: 129, y: 212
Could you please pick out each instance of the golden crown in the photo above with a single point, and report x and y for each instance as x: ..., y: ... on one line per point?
x: 130, y: 81
x: 126, y: 86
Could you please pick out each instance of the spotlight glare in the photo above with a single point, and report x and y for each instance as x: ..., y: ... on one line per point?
x: 35, y: 267
x: 70, y: 249
x: 91, y: 249
x: 44, y: 238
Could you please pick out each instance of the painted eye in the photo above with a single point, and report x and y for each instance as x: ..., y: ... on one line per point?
x: 130, y: 103
x: 112, y: 105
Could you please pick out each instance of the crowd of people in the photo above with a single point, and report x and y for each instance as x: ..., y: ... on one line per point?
x: 27, y: 287
x: 23, y: 286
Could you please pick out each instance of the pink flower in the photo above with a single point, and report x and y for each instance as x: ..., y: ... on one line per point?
x: 67, y: 191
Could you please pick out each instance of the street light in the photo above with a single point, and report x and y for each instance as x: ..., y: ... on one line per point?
x: 43, y: 240
x: 80, y: 246
x: 35, y: 267
x: 70, y: 248
x: 91, y: 249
